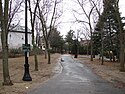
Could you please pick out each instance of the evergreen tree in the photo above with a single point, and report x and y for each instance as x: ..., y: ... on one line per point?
x: 56, y: 41
x: 69, y: 40
x: 110, y: 29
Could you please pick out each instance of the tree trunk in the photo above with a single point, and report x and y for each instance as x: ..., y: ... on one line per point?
x: 4, y: 40
x: 45, y: 52
x: 121, y: 37
x: 102, y: 55
x: 6, y: 76
x: 114, y: 58
x: 91, y: 47
x: 48, y: 52
x: 35, y: 58
x: 48, y: 56
x: 36, y: 63
x: 34, y: 51
x: 122, y: 58
x: 122, y: 54
x: 102, y: 47
x: 87, y: 49
x: 33, y: 18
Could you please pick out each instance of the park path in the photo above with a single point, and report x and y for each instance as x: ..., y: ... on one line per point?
x: 75, y: 78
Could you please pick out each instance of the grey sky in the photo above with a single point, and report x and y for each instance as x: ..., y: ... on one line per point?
x: 68, y: 18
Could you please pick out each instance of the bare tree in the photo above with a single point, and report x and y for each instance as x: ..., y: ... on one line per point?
x: 97, y: 15
x: 48, y: 15
x: 95, y: 10
x: 33, y: 18
x: 14, y: 10
x: 87, y: 15
x: 6, y: 16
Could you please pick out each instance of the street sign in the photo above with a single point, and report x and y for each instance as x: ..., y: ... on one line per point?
x: 26, y: 47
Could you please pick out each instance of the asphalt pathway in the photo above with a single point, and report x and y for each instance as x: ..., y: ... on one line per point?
x: 75, y: 78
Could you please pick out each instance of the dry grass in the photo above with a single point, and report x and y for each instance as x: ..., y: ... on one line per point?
x: 16, y: 67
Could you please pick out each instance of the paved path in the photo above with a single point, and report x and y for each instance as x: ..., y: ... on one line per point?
x: 75, y: 78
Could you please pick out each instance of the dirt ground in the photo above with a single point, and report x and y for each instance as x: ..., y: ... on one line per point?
x: 16, y: 68
x: 109, y: 71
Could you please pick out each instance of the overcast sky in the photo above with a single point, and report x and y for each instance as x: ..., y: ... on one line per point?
x: 122, y: 7
x: 68, y: 18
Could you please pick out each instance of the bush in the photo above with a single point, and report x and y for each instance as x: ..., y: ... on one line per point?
x: 38, y: 51
x: 15, y: 52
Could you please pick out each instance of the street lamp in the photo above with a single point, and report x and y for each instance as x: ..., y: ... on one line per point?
x: 26, y: 76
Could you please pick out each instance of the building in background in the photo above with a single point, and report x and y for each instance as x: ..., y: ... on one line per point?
x: 16, y: 37
x: 84, y: 42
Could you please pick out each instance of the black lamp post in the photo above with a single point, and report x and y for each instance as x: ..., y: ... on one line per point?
x: 26, y: 76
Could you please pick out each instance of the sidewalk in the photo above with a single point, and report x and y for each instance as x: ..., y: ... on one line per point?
x: 109, y: 71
